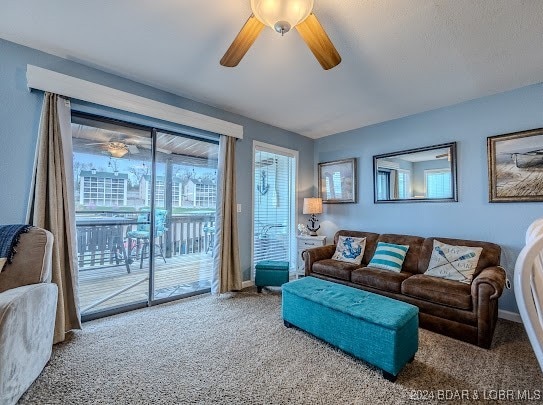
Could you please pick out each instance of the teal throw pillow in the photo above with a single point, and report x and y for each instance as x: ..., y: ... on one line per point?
x: 389, y: 256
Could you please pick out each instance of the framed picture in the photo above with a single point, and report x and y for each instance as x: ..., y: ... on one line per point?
x: 515, y: 166
x: 337, y: 181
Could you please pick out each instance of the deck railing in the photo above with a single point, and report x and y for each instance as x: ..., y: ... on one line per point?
x: 102, y: 241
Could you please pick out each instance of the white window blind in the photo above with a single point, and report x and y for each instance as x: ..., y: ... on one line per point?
x: 273, y: 206
x: 438, y: 183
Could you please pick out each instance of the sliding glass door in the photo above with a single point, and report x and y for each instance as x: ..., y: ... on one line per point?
x: 185, y: 192
x: 145, y: 211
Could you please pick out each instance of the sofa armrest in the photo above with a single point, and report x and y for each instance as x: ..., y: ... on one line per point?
x: 492, y: 276
x: 486, y: 288
x: 32, y: 262
x: 27, y: 321
x: 313, y: 255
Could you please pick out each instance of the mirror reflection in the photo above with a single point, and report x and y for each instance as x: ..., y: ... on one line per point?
x: 416, y: 175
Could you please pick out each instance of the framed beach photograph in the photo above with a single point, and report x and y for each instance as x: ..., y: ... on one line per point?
x: 337, y: 181
x: 515, y: 166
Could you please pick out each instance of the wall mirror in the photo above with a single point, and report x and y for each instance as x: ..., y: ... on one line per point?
x: 422, y: 174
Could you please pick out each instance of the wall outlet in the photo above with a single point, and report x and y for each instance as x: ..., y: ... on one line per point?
x: 239, y: 207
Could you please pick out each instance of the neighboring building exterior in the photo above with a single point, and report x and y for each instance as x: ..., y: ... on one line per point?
x: 197, y: 193
x: 201, y: 193
x: 110, y: 189
x: 160, y: 192
x: 103, y: 189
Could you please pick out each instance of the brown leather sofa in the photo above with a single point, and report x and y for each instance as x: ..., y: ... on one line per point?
x: 462, y: 311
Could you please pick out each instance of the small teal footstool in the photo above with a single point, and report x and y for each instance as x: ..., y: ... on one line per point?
x: 379, y: 330
x: 271, y: 273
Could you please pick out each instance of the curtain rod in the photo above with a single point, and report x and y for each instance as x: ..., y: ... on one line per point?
x: 47, y: 80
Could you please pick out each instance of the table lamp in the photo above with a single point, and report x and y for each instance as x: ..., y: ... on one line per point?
x: 312, y: 206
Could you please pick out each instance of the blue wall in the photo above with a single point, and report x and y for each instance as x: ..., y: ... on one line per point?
x: 473, y: 217
x: 19, y: 121
x: 468, y: 123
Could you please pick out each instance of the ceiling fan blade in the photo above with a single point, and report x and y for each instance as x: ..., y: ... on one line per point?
x: 166, y: 151
x: 246, y: 37
x: 133, y: 149
x: 318, y: 42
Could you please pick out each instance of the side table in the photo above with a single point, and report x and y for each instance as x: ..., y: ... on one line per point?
x: 305, y: 242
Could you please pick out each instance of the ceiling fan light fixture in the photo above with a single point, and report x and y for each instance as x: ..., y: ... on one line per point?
x: 117, y: 149
x: 282, y: 15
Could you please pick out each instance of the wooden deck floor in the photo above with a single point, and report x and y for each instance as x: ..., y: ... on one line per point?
x: 179, y: 275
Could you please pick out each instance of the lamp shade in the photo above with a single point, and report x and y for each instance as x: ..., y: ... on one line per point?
x: 312, y: 205
x: 271, y: 12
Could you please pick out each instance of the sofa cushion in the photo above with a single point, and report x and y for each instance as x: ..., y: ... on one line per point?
x: 371, y: 242
x: 334, y: 268
x: 350, y: 249
x: 490, y: 255
x: 384, y: 280
x: 389, y: 256
x: 411, y: 261
x: 453, y: 262
x: 440, y: 291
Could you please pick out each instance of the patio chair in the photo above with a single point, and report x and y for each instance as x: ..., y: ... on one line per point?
x: 142, y: 234
x: 209, y: 229
x: 271, y: 242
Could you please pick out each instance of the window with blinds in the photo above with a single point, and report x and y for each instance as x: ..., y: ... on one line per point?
x: 438, y: 183
x: 274, y: 188
x: 404, y: 184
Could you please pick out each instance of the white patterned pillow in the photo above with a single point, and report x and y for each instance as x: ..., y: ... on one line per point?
x: 453, y: 262
x: 350, y: 249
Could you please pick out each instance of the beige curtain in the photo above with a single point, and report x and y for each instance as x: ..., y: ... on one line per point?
x: 52, y: 206
x: 227, y: 268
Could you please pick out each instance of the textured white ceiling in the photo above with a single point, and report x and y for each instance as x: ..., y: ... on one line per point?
x: 400, y: 57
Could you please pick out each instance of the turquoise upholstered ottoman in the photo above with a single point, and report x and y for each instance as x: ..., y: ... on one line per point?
x: 271, y: 273
x: 382, y: 331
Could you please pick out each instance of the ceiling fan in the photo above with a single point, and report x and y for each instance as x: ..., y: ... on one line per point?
x: 116, y: 149
x: 443, y: 155
x: 282, y: 16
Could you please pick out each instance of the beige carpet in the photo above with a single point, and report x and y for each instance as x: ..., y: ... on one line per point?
x: 235, y: 350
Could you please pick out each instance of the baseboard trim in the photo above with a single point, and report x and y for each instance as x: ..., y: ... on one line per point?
x: 246, y: 284
x: 510, y: 316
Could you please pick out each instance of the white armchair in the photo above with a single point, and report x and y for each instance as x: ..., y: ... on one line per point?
x: 528, y: 282
x: 28, y: 302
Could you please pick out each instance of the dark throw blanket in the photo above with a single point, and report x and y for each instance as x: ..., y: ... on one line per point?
x: 9, y: 237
